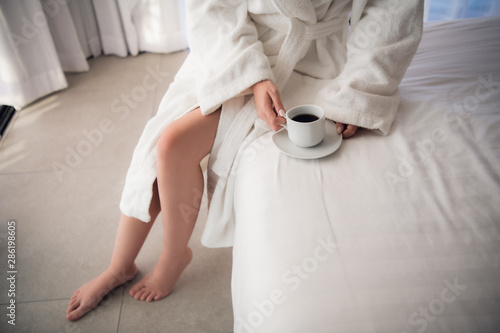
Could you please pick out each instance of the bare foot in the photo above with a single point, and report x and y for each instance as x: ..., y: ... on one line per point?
x: 161, y: 280
x: 88, y: 296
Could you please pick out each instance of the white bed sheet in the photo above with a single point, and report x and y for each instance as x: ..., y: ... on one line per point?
x: 389, y: 234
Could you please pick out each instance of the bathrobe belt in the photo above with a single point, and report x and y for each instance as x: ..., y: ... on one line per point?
x: 312, y: 31
x: 297, y: 34
x: 224, y: 159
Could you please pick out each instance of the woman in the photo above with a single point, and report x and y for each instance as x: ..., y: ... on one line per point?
x: 244, y: 56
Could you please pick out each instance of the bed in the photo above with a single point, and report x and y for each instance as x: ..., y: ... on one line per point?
x: 388, y: 234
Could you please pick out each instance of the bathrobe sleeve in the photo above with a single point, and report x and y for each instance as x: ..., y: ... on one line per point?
x: 224, y: 41
x: 385, y: 36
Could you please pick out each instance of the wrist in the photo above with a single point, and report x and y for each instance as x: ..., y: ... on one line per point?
x: 255, y: 85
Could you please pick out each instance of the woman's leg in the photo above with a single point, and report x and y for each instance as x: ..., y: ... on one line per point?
x: 188, y: 139
x: 180, y: 183
x: 129, y: 240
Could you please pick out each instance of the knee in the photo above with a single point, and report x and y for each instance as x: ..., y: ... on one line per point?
x: 170, y: 143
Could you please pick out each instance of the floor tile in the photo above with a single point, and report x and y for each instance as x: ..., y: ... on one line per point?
x: 201, y: 299
x: 108, y: 71
x: 66, y: 222
x: 65, y: 231
x: 74, y: 130
x: 94, y: 127
x: 49, y: 317
x: 61, y: 244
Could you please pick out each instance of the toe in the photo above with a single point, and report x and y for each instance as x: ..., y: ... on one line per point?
x: 151, y: 297
x: 72, y: 305
x: 160, y: 295
x: 145, y: 295
x: 74, y: 297
x: 80, y: 309
x: 135, y: 289
x: 71, y: 316
x: 138, y: 294
x: 76, y: 314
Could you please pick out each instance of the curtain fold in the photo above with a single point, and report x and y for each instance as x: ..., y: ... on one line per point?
x: 65, y: 37
x: 123, y: 9
x: 85, y: 22
x: 110, y: 27
x: 159, y: 25
x: 42, y: 39
x: 29, y: 63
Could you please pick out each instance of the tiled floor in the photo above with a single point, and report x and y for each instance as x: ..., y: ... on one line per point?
x: 62, y: 166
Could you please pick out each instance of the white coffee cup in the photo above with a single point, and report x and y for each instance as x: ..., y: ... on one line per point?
x: 305, y: 125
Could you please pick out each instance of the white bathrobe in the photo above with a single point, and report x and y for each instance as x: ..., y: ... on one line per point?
x: 308, y: 49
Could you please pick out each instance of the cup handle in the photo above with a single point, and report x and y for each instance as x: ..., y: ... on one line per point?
x: 282, y: 113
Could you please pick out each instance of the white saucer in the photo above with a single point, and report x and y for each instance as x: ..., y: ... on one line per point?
x: 330, y: 143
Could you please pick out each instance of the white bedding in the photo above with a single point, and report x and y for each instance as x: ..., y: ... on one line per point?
x: 389, y: 234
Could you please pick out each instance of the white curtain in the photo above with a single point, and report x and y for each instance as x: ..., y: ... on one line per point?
x: 42, y: 39
x: 457, y: 9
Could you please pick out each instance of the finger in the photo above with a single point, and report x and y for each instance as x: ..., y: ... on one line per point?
x: 263, y: 107
x: 274, y: 121
x: 269, y: 104
x: 340, y: 127
x: 278, y: 121
x: 349, y: 131
x: 270, y: 116
x: 275, y: 96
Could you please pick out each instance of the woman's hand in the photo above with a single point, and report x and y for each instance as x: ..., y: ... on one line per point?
x: 267, y: 98
x: 269, y: 105
x: 347, y: 131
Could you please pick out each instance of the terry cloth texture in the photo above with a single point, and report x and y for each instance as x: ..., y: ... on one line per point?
x: 354, y: 72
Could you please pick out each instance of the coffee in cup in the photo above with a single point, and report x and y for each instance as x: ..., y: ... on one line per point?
x: 305, y: 118
x: 305, y: 125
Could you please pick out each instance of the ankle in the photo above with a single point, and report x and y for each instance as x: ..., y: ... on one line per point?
x: 121, y: 273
